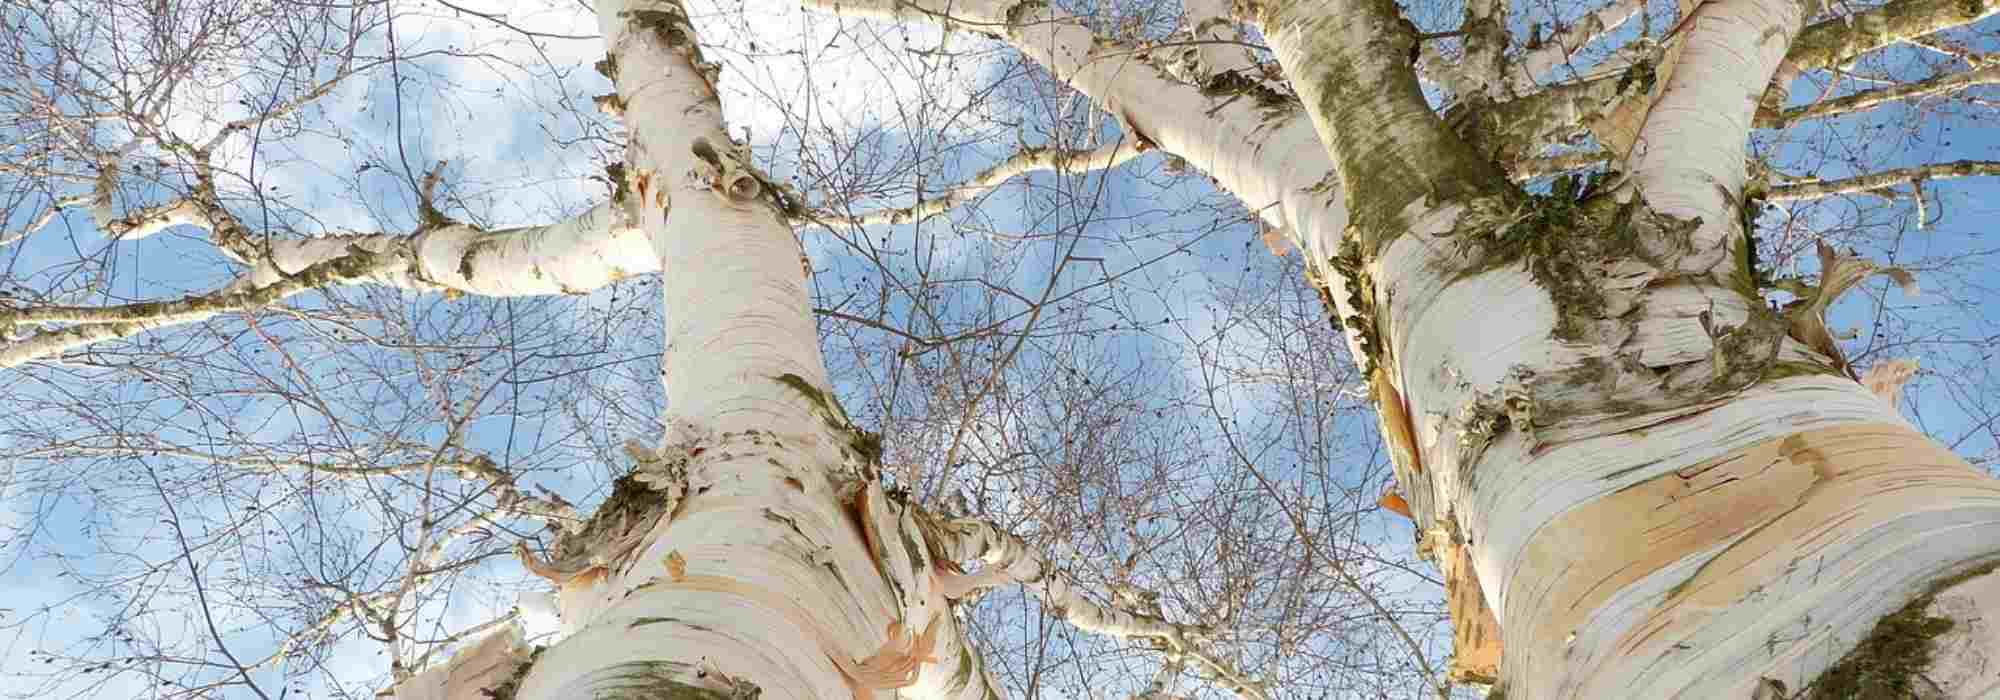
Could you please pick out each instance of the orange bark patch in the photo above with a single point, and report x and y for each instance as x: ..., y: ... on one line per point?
x: 677, y: 565
x: 1274, y: 239
x: 1394, y: 502
x: 1762, y: 510
x: 1475, y: 633
x: 1886, y: 379
x: 1396, y: 421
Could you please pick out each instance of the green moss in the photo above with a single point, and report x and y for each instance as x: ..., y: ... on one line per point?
x: 662, y: 680
x: 1750, y: 276
x: 1637, y: 79
x: 1556, y: 237
x: 670, y: 24
x: 1886, y: 664
x: 867, y: 445
x: 1360, y: 288
x: 1406, y: 156
x: 1883, y: 666
x: 1227, y: 83
x: 963, y: 676
x: 620, y: 189
x: 1798, y: 368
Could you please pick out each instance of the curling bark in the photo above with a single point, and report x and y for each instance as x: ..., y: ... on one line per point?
x: 1669, y: 489
x: 754, y: 551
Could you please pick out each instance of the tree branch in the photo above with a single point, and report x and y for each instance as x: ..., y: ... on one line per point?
x: 1521, y: 127
x: 121, y: 321
x: 1540, y: 58
x: 1009, y: 559
x: 47, y: 216
x: 1878, y: 183
x: 1838, y: 41
x: 1029, y: 159
x: 1988, y: 74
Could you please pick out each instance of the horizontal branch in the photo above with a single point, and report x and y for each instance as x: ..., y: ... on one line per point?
x: 1532, y: 168
x: 575, y: 256
x: 1868, y: 99
x: 47, y: 216
x: 104, y: 323
x: 509, y: 496
x: 570, y: 257
x: 1544, y: 56
x: 1875, y: 183
x: 1029, y: 159
x: 1838, y: 41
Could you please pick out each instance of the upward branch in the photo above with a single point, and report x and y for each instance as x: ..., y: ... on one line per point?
x: 1350, y: 61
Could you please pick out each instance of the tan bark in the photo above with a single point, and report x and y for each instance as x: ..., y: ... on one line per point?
x: 1806, y: 511
x: 1476, y: 639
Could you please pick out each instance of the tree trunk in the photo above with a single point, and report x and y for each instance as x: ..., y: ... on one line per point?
x: 755, y: 552
x: 1673, y: 489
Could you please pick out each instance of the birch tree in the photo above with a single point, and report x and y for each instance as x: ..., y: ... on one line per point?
x: 1616, y: 412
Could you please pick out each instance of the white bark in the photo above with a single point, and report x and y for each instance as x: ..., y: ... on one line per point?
x: 97, y: 324
x: 1964, y: 663
x: 1879, y: 183
x: 1988, y: 74
x: 1689, y: 159
x: 1647, y: 521
x: 1007, y: 559
x: 574, y: 256
x: 485, y: 663
x: 1539, y: 61
x: 760, y: 573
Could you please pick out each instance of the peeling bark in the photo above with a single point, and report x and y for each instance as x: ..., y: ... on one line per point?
x: 754, y: 552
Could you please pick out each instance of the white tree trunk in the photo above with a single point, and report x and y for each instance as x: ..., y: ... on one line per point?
x: 1667, y: 493
x: 761, y: 552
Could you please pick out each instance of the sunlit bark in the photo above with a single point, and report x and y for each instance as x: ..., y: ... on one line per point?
x: 1668, y: 489
x: 572, y: 257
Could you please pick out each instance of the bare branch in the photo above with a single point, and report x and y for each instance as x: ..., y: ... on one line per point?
x: 1988, y: 74
x: 48, y: 215
x: 1537, y: 167
x: 1878, y: 184
x: 1544, y: 55
x: 1009, y: 559
x: 1521, y: 127
x: 105, y: 323
x: 1029, y: 159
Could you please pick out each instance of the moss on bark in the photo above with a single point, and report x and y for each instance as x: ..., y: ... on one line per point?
x: 1890, y: 661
